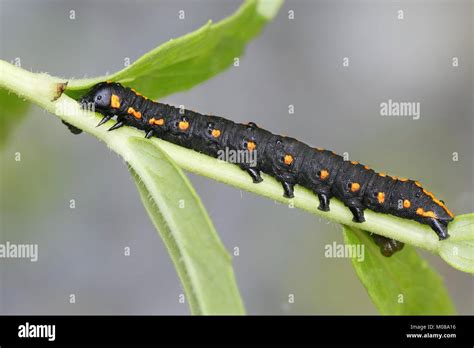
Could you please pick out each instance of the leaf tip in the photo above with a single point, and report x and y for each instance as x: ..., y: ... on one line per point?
x: 268, y: 8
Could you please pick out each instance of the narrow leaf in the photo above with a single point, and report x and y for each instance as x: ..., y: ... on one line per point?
x: 182, y: 63
x: 203, y: 264
x: 402, y: 284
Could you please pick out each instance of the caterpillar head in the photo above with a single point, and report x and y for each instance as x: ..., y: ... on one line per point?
x: 98, y: 98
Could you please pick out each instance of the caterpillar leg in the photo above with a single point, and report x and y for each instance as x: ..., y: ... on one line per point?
x: 117, y: 125
x: 149, y: 134
x: 439, y: 228
x: 324, y: 195
x: 72, y: 129
x: 323, y: 201
x: 104, y: 119
x: 255, y: 174
x: 388, y: 246
x: 358, y: 213
x: 288, y: 189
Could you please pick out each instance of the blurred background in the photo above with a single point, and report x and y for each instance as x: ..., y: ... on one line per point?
x: 295, y: 62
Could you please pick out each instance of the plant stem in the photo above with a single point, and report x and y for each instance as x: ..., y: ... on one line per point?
x: 41, y: 89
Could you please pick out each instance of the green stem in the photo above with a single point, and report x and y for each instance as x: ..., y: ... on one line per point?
x: 41, y: 89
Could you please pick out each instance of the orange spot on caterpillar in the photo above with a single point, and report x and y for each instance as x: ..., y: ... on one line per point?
x: 382, y: 175
x: 288, y: 159
x: 319, y: 148
x: 136, y: 114
x: 323, y: 174
x: 381, y: 197
x: 366, y: 167
x: 355, y: 186
x: 417, y: 183
x: 216, y: 133
x: 115, y: 101
x: 403, y: 179
x: 428, y: 193
x: 423, y: 213
x: 354, y: 162
x: 183, y: 125
x: 158, y: 122
x: 406, y: 204
x: 251, y: 146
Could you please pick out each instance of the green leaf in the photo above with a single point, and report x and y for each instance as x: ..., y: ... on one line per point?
x: 458, y: 250
x: 402, y: 284
x: 12, y: 112
x: 203, y: 264
x: 184, y: 62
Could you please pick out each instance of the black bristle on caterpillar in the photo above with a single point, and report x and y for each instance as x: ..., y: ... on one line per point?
x: 288, y: 160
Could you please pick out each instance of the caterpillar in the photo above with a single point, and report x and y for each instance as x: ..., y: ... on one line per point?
x: 288, y: 160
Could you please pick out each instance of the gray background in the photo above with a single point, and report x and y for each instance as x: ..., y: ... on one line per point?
x: 295, y: 62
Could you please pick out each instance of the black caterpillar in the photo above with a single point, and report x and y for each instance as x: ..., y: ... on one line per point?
x: 288, y: 160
